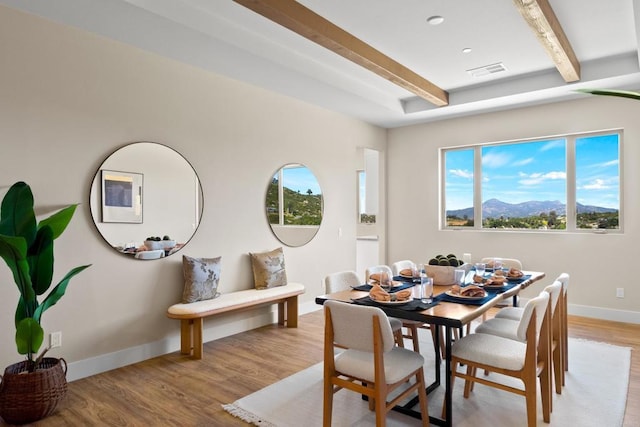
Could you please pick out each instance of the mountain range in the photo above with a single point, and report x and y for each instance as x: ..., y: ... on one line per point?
x: 494, y: 208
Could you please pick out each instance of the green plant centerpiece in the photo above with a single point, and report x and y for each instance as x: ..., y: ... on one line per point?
x: 612, y: 92
x: 26, y: 246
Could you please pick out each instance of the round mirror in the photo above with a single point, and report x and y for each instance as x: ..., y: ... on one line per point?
x: 294, y: 204
x: 146, y: 200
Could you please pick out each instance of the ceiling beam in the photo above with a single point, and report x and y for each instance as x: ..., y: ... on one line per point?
x: 543, y: 21
x: 305, y: 22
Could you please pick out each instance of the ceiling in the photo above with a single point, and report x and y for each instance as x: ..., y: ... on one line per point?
x: 229, y: 39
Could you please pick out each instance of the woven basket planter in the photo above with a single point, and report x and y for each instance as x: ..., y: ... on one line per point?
x: 27, y: 397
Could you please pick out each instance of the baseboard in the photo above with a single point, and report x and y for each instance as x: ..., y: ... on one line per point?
x: 106, y: 362
x: 625, y: 316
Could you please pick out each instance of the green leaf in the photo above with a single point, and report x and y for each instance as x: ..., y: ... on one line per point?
x: 59, y: 220
x: 29, y: 336
x: 608, y: 92
x: 17, y: 217
x: 57, y: 292
x: 14, y: 252
x: 40, y: 259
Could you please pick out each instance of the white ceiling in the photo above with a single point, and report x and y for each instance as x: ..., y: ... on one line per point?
x: 228, y: 39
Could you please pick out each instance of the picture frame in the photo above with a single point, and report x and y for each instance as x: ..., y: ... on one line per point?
x: 122, y: 196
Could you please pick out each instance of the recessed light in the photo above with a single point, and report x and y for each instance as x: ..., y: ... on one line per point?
x: 435, y: 20
x: 466, y: 50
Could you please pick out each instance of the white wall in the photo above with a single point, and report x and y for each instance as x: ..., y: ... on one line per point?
x: 69, y: 99
x: 597, y: 263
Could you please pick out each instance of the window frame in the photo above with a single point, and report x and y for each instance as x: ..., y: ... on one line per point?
x: 571, y: 190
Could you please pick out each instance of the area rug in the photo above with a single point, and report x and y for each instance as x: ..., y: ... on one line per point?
x: 594, y: 395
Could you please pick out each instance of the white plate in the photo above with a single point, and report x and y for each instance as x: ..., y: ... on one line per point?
x: 391, y: 302
x: 465, y: 297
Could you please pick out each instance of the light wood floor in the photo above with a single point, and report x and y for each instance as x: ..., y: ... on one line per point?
x: 174, y: 390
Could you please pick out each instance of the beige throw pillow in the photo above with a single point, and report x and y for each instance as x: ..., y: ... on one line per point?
x: 268, y: 269
x: 201, y: 278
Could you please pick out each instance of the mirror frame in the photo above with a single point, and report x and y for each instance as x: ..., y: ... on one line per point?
x: 152, y: 168
x: 293, y: 235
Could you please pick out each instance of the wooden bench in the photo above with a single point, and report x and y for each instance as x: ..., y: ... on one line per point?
x: 191, y: 315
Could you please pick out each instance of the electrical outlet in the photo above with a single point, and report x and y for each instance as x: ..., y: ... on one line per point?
x: 55, y: 339
x: 620, y: 292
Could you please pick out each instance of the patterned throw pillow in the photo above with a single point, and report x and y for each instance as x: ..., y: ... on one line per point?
x: 268, y: 269
x: 201, y: 277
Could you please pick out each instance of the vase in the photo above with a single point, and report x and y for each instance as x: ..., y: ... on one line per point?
x: 30, y: 396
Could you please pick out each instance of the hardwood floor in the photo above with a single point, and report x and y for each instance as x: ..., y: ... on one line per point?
x: 174, y: 390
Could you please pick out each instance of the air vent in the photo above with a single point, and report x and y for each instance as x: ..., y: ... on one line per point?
x: 487, y: 69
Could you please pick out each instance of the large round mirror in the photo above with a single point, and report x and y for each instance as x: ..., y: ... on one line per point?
x: 294, y: 204
x: 146, y: 200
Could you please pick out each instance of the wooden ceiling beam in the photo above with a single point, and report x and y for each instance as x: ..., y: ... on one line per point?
x: 305, y: 22
x: 543, y: 21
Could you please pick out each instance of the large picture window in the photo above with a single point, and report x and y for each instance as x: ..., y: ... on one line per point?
x: 570, y: 183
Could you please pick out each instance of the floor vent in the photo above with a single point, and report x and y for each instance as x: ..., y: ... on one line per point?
x: 487, y: 69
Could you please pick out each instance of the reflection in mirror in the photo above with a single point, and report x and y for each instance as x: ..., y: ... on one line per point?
x: 294, y: 205
x: 146, y: 197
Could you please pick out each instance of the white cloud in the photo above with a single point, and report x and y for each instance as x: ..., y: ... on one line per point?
x: 539, y: 178
x: 495, y: 160
x: 461, y: 173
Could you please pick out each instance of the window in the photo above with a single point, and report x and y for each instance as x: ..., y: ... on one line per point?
x: 562, y: 183
x: 363, y: 216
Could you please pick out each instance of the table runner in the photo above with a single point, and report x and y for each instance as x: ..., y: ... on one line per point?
x: 412, y: 305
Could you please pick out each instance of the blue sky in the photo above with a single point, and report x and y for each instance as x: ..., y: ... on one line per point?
x: 516, y: 173
x: 300, y: 179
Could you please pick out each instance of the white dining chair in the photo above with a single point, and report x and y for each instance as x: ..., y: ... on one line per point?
x: 344, y: 280
x: 525, y: 358
x: 155, y: 254
x: 398, y: 266
x: 506, y: 262
x: 370, y: 364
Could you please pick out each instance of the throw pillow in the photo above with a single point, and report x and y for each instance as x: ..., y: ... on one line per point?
x: 201, y: 277
x: 268, y: 269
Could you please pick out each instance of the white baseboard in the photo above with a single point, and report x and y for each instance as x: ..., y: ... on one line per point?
x: 106, y: 362
x: 118, y: 359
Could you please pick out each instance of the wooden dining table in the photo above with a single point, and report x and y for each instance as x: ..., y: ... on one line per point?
x: 450, y: 315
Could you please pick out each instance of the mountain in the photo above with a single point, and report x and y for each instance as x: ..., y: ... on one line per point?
x: 494, y: 208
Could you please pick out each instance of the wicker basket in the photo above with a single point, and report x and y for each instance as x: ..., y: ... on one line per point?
x: 28, y: 397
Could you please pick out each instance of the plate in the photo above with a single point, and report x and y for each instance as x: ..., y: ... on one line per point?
x: 394, y: 283
x: 406, y: 301
x: 464, y: 297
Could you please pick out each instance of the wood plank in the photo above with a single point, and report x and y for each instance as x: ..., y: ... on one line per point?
x: 544, y: 23
x: 174, y: 390
x: 305, y: 22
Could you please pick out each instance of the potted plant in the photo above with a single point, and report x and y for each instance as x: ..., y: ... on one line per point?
x: 31, y: 389
x: 610, y: 92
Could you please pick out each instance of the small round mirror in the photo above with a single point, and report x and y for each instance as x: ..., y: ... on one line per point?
x: 294, y: 204
x: 146, y: 200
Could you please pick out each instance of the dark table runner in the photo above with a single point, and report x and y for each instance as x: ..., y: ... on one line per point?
x: 411, y: 305
x: 367, y: 287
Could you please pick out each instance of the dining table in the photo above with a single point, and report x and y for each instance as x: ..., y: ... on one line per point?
x: 446, y: 313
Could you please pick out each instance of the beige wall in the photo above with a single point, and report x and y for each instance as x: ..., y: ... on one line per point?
x: 68, y: 99
x: 598, y: 263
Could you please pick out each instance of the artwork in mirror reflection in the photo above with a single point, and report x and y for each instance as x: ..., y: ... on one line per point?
x: 171, y: 195
x: 294, y: 204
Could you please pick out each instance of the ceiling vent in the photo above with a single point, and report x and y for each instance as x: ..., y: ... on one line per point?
x: 487, y: 69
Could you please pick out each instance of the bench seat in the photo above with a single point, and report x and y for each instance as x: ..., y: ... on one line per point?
x: 191, y: 315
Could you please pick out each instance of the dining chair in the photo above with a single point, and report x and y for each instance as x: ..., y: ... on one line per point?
x: 155, y: 254
x: 525, y: 358
x: 506, y: 262
x: 344, y: 280
x: 505, y: 325
x: 370, y: 363
x: 398, y: 266
x: 411, y: 326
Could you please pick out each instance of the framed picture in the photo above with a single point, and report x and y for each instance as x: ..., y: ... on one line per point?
x: 121, y: 197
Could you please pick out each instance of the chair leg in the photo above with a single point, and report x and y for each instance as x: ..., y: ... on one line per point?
x: 328, y: 403
x: 530, y: 397
x: 422, y: 396
x: 399, y: 338
x: 558, y: 370
x: 415, y: 338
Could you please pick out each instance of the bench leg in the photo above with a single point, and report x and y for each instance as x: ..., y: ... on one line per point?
x: 292, y: 312
x: 185, y: 336
x: 197, y: 338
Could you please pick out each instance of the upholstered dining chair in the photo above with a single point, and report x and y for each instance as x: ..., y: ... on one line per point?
x: 525, y: 358
x: 506, y: 321
x: 343, y: 280
x: 411, y: 326
x: 370, y: 363
x: 155, y: 254
x: 398, y: 266
x: 506, y: 262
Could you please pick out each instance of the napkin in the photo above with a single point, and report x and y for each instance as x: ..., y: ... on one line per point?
x: 378, y: 294
x: 406, y: 272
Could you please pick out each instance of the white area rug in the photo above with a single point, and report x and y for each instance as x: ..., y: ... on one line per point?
x: 594, y: 395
